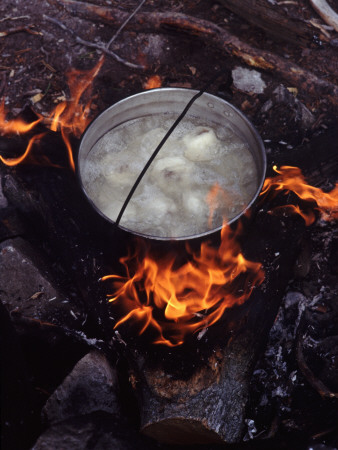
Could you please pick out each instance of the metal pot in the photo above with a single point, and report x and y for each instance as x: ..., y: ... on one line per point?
x: 173, y: 100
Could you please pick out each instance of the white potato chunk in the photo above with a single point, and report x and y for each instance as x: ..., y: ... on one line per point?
x: 194, y: 203
x: 172, y: 173
x: 201, y: 145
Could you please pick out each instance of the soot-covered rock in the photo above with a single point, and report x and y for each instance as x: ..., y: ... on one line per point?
x: 91, y: 386
x: 27, y: 287
x: 94, y: 431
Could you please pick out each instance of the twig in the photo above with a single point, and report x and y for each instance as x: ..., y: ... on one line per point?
x: 100, y: 47
x: 125, y: 23
x: 27, y: 29
x: 14, y: 18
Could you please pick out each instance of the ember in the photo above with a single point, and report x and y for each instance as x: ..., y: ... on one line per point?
x: 153, y: 82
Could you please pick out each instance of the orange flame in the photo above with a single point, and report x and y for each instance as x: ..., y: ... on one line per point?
x: 176, y: 302
x: 15, y: 161
x: 14, y: 126
x: 291, y: 179
x: 71, y: 117
x: 153, y: 82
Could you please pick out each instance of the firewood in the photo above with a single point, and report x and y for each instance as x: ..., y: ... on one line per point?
x: 197, y: 394
x: 212, y: 34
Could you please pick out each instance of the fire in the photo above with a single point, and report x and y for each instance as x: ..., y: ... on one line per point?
x: 153, y: 82
x: 174, y: 302
x: 15, y: 161
x: 157, y: 294
x: 71, y: 117
x: 15, y: 126
x: 291, y: 179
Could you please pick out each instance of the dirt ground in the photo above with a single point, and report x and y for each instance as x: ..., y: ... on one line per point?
x: 35, y: 60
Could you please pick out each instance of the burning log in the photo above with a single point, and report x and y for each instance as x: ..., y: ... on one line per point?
x: 227, y: 43
x: 198, y: 393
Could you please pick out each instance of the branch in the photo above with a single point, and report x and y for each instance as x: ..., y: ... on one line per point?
x: 100, y: 47
x: 226, y: 42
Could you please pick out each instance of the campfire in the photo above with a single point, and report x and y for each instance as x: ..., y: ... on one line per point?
x: 177, y: 328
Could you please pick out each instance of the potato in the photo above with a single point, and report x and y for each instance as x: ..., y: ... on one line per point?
x: 201, y: 145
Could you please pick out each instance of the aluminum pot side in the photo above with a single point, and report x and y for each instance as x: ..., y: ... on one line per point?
x: 173, y: 100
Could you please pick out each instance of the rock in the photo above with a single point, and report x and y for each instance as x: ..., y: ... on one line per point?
x: 302, y: 115
x: 90, y: 387
x: 96, y: 431
x: 27, y: 288
x: 247, y: 80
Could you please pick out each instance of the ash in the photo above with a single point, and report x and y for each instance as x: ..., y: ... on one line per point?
x: 294, y: 385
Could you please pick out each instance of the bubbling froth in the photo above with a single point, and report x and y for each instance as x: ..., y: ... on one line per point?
x: 204, y: 174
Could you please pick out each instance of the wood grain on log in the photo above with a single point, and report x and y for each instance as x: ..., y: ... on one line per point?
x: 228, y: 43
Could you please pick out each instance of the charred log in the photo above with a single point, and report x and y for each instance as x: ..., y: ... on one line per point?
x: 203, y: 399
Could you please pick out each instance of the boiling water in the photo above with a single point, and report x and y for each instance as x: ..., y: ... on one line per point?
x: 203, y: 174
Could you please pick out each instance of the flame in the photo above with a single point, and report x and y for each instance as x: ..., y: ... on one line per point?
x: 14, y: 126
x: 291, y: 179
x: 174, y: 302
x: 71, y: 117
x: 153, y: 82
x: 15, y: 161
